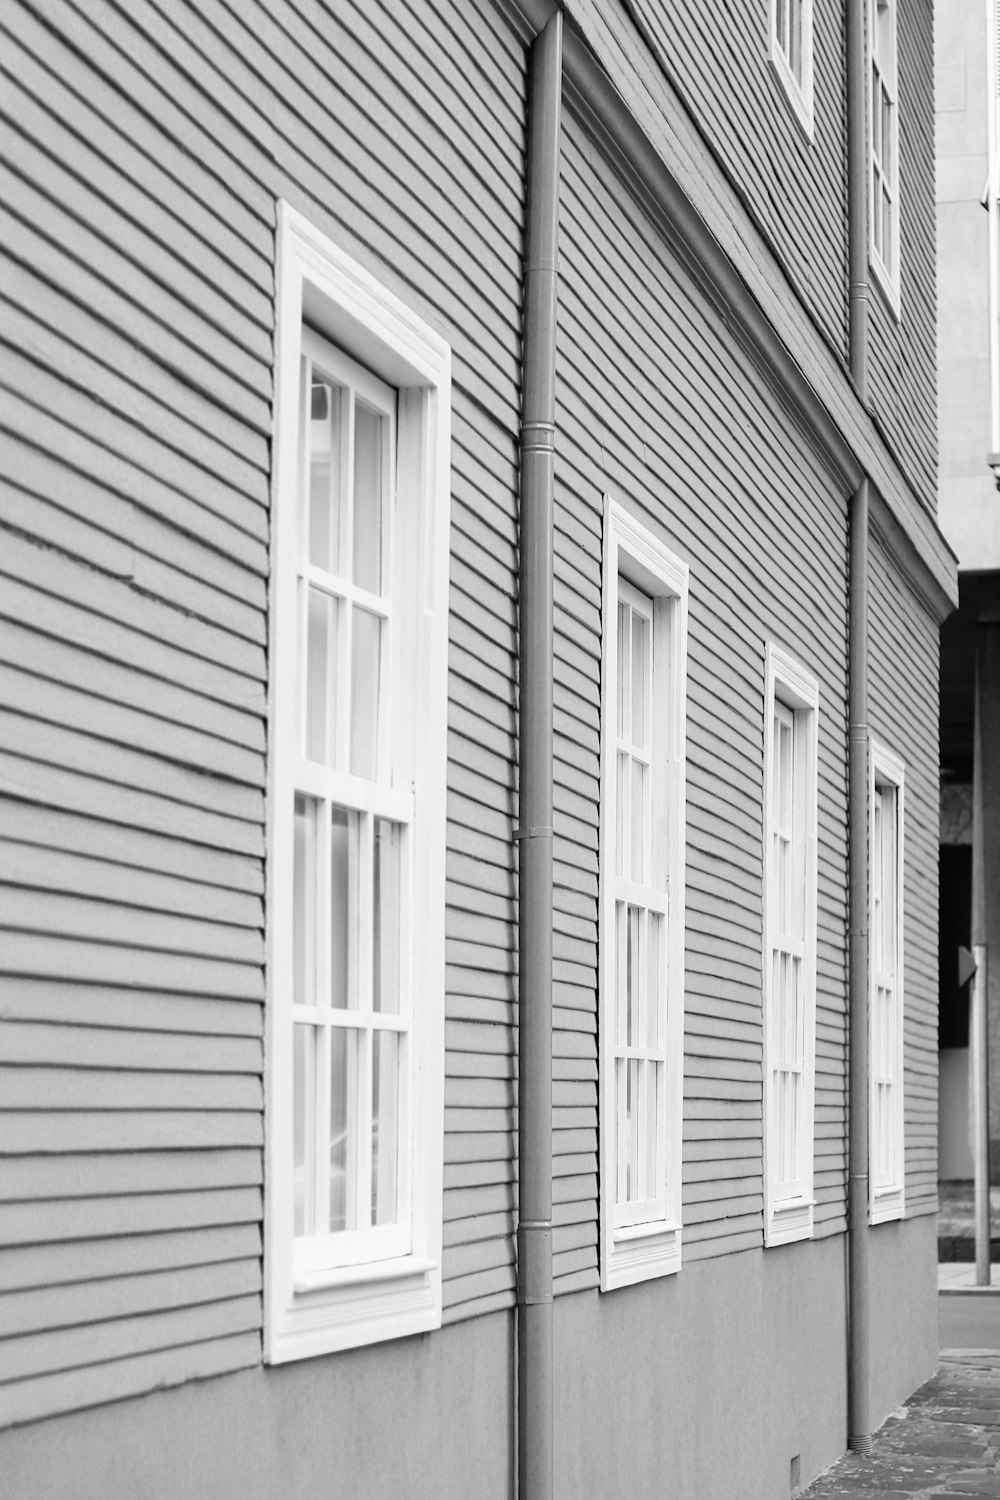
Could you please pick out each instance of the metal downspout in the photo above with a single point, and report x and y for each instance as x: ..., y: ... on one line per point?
x: 859, y: 1408
x: 534, y: 1230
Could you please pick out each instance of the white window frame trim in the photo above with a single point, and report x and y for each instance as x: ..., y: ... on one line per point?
x: 887, y: 278
x: 641, y: 1252
x: 343, y: 1306
x: 800, y: 95
x: 888, y: 1203
x: 789, y: 681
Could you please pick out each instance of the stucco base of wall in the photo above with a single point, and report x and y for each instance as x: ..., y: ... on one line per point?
x: 705, y: 1384
x: 709, y: 1383
x: 904, y: 1310
x: 429, y: 1417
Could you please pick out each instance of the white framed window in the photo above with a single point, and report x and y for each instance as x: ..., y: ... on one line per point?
x: 641, y: 903
x: 356, y: 807
x: 883, y: 141
x: 791, y: 707
x: 791, y: 54
x: 885, y: 1010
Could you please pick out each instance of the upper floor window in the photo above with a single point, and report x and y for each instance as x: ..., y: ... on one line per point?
x: 883, y: 137
x: 641, y: 902
x: 885, y: 804
x: 790, y: 772
x: 791, y: 53
x: 358, y: 714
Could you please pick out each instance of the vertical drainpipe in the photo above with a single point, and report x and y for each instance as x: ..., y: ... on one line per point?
x: 859, y: 1408
x: 534, y: 1230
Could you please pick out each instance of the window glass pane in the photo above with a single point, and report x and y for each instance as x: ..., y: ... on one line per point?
x: 343, y: 1128
x: 321, y: 658
x: 887, y: 252
x: 365, y: 693
x: 325, y: 504
x: 621, y: 810
x: 632, y: 1023
x: 621, y: 1129
x: 343, y: 862
x: 654, y: 1002
x: 621, y: 973
x: 368, y: 497
x: 632, y: 1113
x: 304, y: 903
x: 303, y: 1126
x: 640, y: 821
x: 888, y: 165
x: 640, y: 681
x: 781, y: 25
x: 624, y: 681
x: 385, y: 916
x: 795, y: 39
x: 876, y: 115
x: 385, y: 1125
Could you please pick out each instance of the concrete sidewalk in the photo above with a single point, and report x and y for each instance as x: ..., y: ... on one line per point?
x: 944, y: 1441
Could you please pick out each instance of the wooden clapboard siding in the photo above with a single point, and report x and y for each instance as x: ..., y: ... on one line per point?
x: 418, y: 173
x: 903, y: 712
x: 658, y: 406
x: 148, y: 145
x: 716, y: 57
x: 138, y: 281
x: 903, y: 365
x: 576, y: 811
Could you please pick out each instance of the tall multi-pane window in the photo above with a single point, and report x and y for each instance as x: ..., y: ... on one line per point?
x: 887, y: 1167
x: 791, y: 708
x: 791, y: 52
x: 883, y: 136
x: 358, y: 718
x: 642, y: 902
x: 351, y: 1005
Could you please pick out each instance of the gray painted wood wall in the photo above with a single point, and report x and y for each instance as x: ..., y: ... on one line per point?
x: 146, y: 145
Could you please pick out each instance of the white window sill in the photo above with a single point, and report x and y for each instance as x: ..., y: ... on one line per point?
x: 887, y: 1204
x: 790, y: 1222
x: 330, y: 1277
x: 337, y: 1308
x: 641, y: 1252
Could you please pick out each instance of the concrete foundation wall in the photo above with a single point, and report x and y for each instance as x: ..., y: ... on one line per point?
x: 904, y: 1342
x: 705, y: 1386
x: 424, y: 1417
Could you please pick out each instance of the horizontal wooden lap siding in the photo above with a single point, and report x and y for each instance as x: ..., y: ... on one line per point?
x: 132, y: 634
x: 902, y: 350
x: 419, y: 174
x: 717, y: 60
x: 658, y: 407
x: 903, y: 712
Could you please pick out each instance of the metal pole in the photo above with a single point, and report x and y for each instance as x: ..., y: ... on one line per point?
x: 979, y: 1043
x: 859, y: 1415
x: 534, y: 1231
x: 979, y: 990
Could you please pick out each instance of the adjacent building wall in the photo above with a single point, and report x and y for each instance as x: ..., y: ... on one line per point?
x: 145, y: 151
x: 795, y: 187
x: 902, y: 347
x: 150, y: 146
x: 969, y: 507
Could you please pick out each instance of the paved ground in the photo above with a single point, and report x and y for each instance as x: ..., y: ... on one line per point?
x: 945, y: 1441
